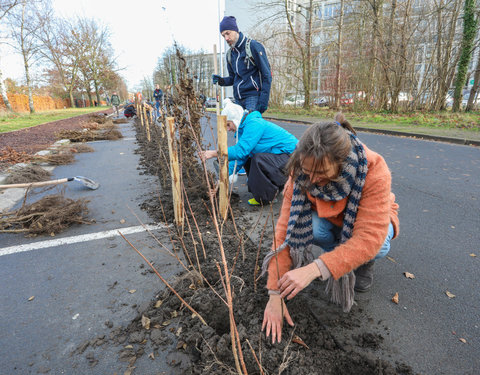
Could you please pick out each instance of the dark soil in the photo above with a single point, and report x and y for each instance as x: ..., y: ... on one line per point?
x: 333, y: 342
x: 40, y: 137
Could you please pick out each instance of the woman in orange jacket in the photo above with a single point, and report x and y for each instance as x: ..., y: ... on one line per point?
x: 338, y: 197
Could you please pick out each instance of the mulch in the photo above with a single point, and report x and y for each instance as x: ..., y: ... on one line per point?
x: 40, y: 137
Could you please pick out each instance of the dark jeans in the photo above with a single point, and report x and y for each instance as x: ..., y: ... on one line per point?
x: 266, y: 175
x: 249, y: 103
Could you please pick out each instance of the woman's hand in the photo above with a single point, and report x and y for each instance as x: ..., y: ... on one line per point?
x: 295, y: 280
x: 208, y: 154
x: 273, y: 318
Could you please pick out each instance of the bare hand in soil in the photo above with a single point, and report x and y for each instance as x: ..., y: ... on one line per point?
x: 295, y: 280
x: 214, y: 190
x: 273, y: 319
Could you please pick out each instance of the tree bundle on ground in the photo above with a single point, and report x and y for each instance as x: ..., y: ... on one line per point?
x: 50, y: 215
x: 54, y: 158
x: 87, y: 135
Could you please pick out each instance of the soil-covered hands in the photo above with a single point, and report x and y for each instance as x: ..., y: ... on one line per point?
x: 208, y: 154
x: 273, y: 318
x: 295, y: 280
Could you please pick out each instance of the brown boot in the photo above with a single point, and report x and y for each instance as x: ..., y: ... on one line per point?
x: 364, y: 277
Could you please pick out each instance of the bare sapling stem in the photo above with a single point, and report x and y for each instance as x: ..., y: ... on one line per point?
x: 276, y: 255
x: 164, y: 281
x: 255, y: 271
x: 255, y: 357
x: 199, y: 233
x: 193, y: 240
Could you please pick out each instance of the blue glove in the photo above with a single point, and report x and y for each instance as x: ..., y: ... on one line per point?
x: 217, y: 79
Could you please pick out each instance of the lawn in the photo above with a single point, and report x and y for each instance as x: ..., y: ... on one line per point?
x: 442, y: 123
x: 10, y: 122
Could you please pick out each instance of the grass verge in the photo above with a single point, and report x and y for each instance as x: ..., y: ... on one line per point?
x: 16, y: 121
x: 445, y: 123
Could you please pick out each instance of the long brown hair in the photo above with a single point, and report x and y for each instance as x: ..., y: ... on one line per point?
x: 327, y: 141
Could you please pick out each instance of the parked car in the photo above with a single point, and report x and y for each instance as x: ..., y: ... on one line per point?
x: 347, y: 99
x: 321, y: 101
x: 293, y: 100
x: 211, y: 103
x: 476, y: 100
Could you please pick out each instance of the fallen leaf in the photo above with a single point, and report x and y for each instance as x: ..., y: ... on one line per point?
x: 417, y: 157
x: 129, y: 371
x: 297, y: 340
x: 145, y: 322
x: 473, y: 255
x: 179, y: 330
x: 157, y: 325
x: 75, y: 316
x: 158, y: 304
x: 52, y: 234
x: 174, y: 313
x: 180, y: 344
x: 391, y: 259
x: 166, y: 323
x: 122, y: 221
x: 463, y: 340
x: 395, y: 298
x: 131, y: 291
x: 409, y: 275
x: 449, y: 295
x: 151, y: 356
x: 452, y: 226
x: 129, y: 347
x: 31, y: 298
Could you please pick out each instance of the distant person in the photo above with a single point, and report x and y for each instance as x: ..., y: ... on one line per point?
x: 203, y: 99
x: 263, y: 148
x: 248, y: 68
x: 158, y: 96
x: 338, y: 197
x: 129, y: 110
x: 115, y: 100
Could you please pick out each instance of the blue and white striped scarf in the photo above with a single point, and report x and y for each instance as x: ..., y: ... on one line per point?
x: 300, y: 232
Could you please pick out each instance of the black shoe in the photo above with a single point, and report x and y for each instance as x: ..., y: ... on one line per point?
x: 364, y: 277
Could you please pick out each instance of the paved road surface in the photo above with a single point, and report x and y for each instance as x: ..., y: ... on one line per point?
x: 78, y: 287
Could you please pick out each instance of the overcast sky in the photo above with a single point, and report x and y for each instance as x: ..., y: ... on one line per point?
x: 140, y: 30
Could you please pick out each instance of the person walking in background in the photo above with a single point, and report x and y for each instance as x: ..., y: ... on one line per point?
x: 263, y: 148
x: 158, y: 96
x: 115, y: 100
x: 338, y: 197
x: 248, y: 68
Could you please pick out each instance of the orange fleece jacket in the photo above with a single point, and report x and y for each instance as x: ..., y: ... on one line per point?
x: 376, y: 210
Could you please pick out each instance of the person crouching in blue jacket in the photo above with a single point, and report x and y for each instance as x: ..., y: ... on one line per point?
x: 248, y: 68
x: 262, y: 148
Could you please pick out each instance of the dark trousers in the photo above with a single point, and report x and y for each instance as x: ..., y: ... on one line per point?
x: 266, y: 175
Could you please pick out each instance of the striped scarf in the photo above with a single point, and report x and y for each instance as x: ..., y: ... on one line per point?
x: 300, y: 232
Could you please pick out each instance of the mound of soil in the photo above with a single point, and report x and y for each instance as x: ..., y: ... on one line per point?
x: 323, y: 341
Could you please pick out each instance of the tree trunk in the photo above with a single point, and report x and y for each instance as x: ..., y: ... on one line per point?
x: 376, y: 8
x: 476, y: 84
x: 29, y: 86
x: 469, y: 32
x: 339, y: 57
x: 70, y: 94
x: 95, y: 83
x: 307, y: 80
x: 3, y: 92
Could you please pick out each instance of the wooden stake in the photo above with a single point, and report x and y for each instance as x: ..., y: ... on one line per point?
x: 215, y: 69
x: 147, y: 123
x: 175, y: 174
x: 140, y: 110
x: 223, y: 161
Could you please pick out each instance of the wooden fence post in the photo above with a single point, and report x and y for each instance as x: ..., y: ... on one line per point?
x: 147, y: 122
x: 175, y: 174
x: 223, y: 161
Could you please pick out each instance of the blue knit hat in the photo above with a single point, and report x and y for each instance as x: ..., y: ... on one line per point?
x: 228, y: 23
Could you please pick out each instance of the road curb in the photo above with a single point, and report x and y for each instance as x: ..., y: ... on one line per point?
x: 459, y: 141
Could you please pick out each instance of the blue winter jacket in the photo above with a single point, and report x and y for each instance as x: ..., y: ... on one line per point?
x: 256, y: 135
x: 157, y: 94
x: 249, y: 79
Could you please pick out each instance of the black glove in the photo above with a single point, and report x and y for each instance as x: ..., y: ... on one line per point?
x: 217, y: 79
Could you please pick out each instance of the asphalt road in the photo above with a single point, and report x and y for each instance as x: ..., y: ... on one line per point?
x: 78, y: 287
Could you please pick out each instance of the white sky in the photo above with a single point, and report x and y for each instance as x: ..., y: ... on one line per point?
x: 140, y: 30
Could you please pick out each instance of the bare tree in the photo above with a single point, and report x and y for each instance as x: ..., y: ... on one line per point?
x: 24, y: 24
x: 5, y: 8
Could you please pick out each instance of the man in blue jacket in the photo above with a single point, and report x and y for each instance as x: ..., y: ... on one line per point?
x: 158, y: 95
x: 248, y: 68
x: 263, y: 148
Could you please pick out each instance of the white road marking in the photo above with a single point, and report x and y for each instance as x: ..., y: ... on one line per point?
x: 76, y: 239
